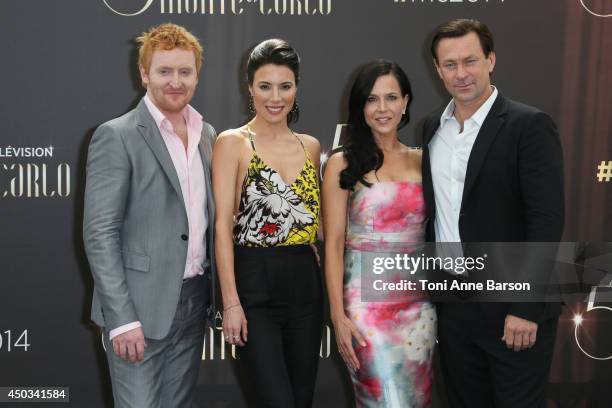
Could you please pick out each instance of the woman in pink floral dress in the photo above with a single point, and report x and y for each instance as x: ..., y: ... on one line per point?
x: 385, y: 339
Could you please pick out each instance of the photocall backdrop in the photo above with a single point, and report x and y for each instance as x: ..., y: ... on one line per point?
x: 69, y: 65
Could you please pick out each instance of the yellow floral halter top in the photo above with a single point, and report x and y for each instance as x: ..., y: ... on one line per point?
x: 273, y: 213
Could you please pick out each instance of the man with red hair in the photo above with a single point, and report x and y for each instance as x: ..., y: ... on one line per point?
x: 148, y: 228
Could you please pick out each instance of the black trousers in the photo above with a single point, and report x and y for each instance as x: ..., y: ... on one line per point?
x: 281, y: 293
x: 479, y: 370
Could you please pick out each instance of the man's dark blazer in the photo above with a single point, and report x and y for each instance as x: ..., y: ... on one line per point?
x: 513, y: 189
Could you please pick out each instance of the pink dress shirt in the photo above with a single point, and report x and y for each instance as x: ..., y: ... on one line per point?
x: 190, y: 172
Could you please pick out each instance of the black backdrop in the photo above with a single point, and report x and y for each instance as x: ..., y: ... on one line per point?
x: 68, y: 65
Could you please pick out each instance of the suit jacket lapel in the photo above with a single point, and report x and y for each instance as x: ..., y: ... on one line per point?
x: 430, y: 128
x: 487, y: 134
x: 149, y: 131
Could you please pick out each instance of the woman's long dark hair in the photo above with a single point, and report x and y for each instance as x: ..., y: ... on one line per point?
x: 361, y: 151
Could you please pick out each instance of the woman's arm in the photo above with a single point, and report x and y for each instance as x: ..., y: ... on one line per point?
x: 314, y: 152
x: 335, y: 203
x: 225, y: 165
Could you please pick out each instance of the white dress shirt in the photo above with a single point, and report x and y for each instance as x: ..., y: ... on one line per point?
x: 449, y: 152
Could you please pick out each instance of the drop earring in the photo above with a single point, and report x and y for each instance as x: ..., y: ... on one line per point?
x: 251, y: 104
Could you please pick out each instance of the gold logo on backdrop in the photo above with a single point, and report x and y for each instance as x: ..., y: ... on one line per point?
x: 596, y: 14
x: 222, y: 7
x: 604, y: 171
x: 598, y: 298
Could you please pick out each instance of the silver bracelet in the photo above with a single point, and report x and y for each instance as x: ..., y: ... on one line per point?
x: 230, y: 307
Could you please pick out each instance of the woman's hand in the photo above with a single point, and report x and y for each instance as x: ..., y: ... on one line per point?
x: 345, y: 330
x: 235, y: 325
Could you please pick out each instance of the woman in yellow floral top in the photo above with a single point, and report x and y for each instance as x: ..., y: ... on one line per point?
x: 266, y: 189
x: 273, y: 213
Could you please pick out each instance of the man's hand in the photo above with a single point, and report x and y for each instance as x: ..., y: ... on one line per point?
x: 129, y: 346
x: 519, y: 334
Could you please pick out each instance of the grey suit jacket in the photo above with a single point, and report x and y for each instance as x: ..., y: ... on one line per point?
x: 135, y: 224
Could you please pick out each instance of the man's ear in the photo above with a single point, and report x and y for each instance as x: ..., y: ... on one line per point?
x: 144, y: 76
x: 492, y: 58
x: 437, y: 68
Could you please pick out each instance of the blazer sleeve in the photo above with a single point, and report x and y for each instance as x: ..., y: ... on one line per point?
x: 208, y: 139
x: 106, y: 192
x: 541, y: 180
x: 541, y: 183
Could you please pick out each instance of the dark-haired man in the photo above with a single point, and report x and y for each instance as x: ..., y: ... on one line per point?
x: 492, y: 172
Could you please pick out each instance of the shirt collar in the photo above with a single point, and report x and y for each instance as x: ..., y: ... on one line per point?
x: 192, y: 116
x: 448, y: 112
x: 478, y: 116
